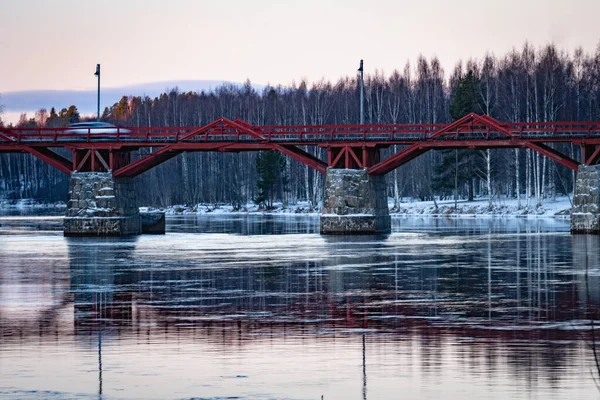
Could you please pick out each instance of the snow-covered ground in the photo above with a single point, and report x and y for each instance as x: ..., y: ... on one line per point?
x: 302, y: 207
x: 480, y: 207
x: 561, y: 206
x: 503, y: 207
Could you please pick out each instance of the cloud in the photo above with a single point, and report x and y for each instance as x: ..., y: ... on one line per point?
x: 15, y: 103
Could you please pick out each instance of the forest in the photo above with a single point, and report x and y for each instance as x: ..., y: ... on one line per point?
x: 526, y: 84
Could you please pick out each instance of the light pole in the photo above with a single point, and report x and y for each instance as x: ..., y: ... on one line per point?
x: 97, y: 73
x: 362, y: 89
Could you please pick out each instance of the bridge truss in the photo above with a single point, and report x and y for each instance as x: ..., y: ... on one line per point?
x: 348, y: 146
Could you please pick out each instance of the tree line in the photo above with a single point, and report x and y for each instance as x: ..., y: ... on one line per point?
x: 526, y: 84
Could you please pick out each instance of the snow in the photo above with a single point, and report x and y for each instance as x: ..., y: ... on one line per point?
x: 302, y: 207
x: 561, y: 206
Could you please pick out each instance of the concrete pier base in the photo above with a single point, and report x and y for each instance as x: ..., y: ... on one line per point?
x: 153, y: 222
x: 101, y: 205
x: 354, y: 202
x: 585, y: 217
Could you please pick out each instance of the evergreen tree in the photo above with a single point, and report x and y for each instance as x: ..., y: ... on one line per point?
x: 54, y: 120
x: 270, y: 166
x: 464, y: 100
x: 72, y: 115
x: 459, y: 167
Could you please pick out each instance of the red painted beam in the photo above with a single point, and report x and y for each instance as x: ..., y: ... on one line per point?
x: 225, y: 130
x: 147, y: 162
x: 554, y: 155
x: 50, y: 157
x: 471, y: 131
x: 402, y: 157
x: 303, y: 157
x: 593, y: 157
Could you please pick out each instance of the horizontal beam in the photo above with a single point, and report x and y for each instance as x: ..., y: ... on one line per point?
x: 223, y: 130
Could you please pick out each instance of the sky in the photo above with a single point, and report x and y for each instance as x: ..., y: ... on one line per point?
x: 56, y: 44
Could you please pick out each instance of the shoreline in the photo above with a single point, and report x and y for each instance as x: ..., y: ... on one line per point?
x: 560, y: 208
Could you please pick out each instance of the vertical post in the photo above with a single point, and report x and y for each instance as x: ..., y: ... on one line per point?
x: 362, y: 89
x: 97, y: 73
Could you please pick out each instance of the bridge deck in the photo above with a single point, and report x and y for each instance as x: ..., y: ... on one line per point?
x: 344, y: 142
x: 383, y: 134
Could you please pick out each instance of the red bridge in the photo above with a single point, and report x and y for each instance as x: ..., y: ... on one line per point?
x: 348, y: 146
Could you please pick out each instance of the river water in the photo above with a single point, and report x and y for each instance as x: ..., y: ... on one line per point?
x: 263, y: 307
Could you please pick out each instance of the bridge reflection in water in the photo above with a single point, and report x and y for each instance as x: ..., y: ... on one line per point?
x: 512, y: 304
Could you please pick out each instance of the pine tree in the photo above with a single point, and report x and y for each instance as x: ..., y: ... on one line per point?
x: 460, y: 166
x: 464, y: 100
x: 72, y: 115
x: 270, y: 166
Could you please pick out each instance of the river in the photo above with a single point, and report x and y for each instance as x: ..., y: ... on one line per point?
x: 263, y: 307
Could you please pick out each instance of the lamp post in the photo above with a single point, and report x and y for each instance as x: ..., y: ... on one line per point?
x: 97, y: 73
x: 362, y: 89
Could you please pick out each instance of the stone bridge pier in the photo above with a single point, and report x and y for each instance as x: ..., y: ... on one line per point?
x: 585, y: 216
x: 354, y: 202
x: 101, y: 205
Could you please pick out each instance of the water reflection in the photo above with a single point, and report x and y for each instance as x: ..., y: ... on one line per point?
x: 102, y: 282
x: 443, y: 308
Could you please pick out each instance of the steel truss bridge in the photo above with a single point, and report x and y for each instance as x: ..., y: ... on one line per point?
x: 348, y: 146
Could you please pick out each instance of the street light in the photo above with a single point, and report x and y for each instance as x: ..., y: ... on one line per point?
x: 362, y: 89
x: 97, y: 73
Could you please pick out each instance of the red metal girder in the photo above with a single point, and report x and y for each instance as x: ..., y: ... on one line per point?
x: 147, y: 162
x: 347, y: 157
x: 5, y: 136
x: 402, y: 157
x: 303, y: 157
x: 222, y: 146
x: 492, y: 123
x: 472, y: 131
x: 353, y: 155
x: 225, y: 124
x: 82, y: 162
x: 50, y: 157
x: 593, y: 157
x: 303, y: 134
x: 452, y: 126
x: 471, y: 144
x: 341, y: 154
x: 554, y: 155
x: 244, y: 127
x: 202, y: 130
x: 102, y: 160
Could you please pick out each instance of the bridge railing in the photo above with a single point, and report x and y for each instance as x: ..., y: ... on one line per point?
x: 309, y: 134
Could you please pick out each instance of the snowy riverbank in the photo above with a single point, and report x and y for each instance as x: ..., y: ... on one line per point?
x: 503, y: 207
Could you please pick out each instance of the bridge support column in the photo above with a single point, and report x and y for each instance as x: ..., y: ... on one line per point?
x: 101, y: 205
x: 585, y: 216
x: 354, y: 202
